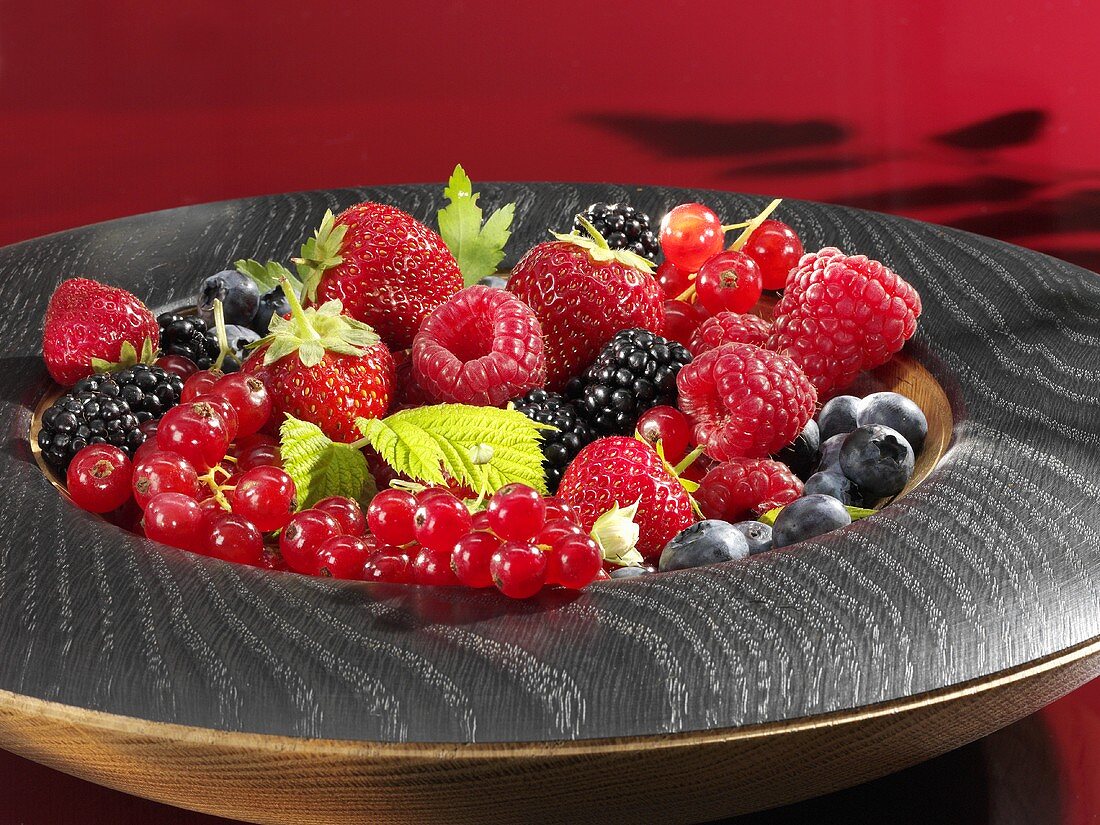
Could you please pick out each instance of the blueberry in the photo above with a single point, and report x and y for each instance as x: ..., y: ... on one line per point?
x: 757, y: 534
x: 800, y: 455
x: 838, y: 416
x: 495, y: 281
x: 834, y: 483
x: 271, y: 303
x: 809, y: 516
x: 898, y: 413
x: 705, y: 542
x: 238, y: 293
x: 878, y: 459
x: 630, y: 572
x: 829, y: 458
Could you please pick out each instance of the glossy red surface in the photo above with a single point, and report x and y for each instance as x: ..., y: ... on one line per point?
x: 979, y: 115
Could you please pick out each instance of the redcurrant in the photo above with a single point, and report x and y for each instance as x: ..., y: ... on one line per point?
x: 163, y: 472
x: 390, y: 565
x: 98, y: 478
x: 516, y: 512
x: 260, y: 454
x: 672, y: 279
x: 471, y: 556
x: 682, y: 319
x: 266, y: 497
x: 558, y: 509
x: 577, y: 561
x: 390, y: 517
x: 199, y: 383
x: 249, y: 397
x: 440, y: 521
x: 347, y: 512
x: 175, y: 520
x: 177, y: 365
x: 670, y: 426
x: 728, y: 282
x: 343, y: 557
x: 691, y: 233
x: 225, y: 409
x: 434, y: 567
x: 303, y: 537
x: 518, y: 569
x: 777, y: 249
x: 195, y: 431
x: 233, y: 538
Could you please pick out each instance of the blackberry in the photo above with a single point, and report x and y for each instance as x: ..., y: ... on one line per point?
x: 633, y: 373
x: 189, y: 336
x: 148, y: 391
x: 622, y: 227
x: 561, y: 447
x: 83, y: 417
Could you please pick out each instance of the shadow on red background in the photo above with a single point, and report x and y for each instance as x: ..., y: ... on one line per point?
x: 978, y: 115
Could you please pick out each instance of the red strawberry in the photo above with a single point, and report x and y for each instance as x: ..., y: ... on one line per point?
x: 840, y: 314
x: 387, y: 269
x: 746, y: 487
x: 621, y: 470
x: 324, y: 367
x: 583, y: 293
x: 85, y: 320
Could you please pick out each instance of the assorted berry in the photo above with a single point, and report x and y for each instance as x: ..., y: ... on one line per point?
x: 588, y: 416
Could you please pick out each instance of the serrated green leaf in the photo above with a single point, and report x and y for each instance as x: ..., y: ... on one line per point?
x: 435, y: 442
x: 478, y: 247
x: 322, y: 467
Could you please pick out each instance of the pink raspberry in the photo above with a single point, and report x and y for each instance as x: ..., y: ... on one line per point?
x: 841, y: 314
x: 482, y: 346
x: 745, y: 401
x: 729, y: 328
x: 744, y: 488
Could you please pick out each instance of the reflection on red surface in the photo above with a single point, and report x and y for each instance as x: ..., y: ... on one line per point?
x: 979, y: 115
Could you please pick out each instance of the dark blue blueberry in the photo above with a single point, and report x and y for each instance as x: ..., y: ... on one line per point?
x: 705, y: 542
x: 238, y: 293
x: 838, y: 416
x: 898, y: 413
x: 807, y: 517
x: 239, y: 338
x: 630, y: 572
x: 834, y: 483
x: 757, y: 534
x: 877, y: 459
x: 495, y: 281
x: 801, y: 454
x: 829, y: 459
x: 271, y: 303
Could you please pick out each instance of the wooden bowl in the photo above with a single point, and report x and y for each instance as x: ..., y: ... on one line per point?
x: 966, y: 604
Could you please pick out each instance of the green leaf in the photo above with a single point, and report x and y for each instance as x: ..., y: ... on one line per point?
x: 431, y: 443
x: 855, y: 512
x: 478, y: 248
x: 266, y: 276
x: 319, y: 253
x: 127, y: 357
x: 322, y: 467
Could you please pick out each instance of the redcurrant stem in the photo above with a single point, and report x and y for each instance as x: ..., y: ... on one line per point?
x: 754, y: 224
x: 730, y: 226
x: 215, y: 488
x: 687, y: 294
x: 223, y: 339
x: 687, y: 460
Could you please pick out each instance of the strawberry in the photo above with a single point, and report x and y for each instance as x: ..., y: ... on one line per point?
x: 621, y: 470
x: 323, y: 367
x: 583, y: 293
x: 87, y: 321
x: 386, y: 268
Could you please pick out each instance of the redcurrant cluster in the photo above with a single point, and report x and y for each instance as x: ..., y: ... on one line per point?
x: 700, y: 278
x: 520, y: 543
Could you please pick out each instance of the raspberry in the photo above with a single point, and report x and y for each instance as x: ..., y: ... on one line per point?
x: 482, y: 346
x: 744, y: 401
x: 841, y: 314
x: 728, y: 328
x: 746, y: 487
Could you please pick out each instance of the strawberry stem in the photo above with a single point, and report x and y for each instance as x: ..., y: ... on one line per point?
x: 223, y: 338
x: 305, y: 328
x: 601, y: 242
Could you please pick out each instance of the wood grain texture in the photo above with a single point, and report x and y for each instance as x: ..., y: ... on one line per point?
x: 991, y: 563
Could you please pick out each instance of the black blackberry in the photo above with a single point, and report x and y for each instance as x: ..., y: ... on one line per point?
x: 149, y: 391
x: 561, y: 447
x: 188, y: 335
x: 622, y: 227
x: 633, y: 373
x: 80, y: 418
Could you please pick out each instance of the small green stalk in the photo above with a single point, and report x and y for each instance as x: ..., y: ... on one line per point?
x: 223, y: 338
x: 305, y: 328
x: 601, y: 242
x: 687, y: 460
